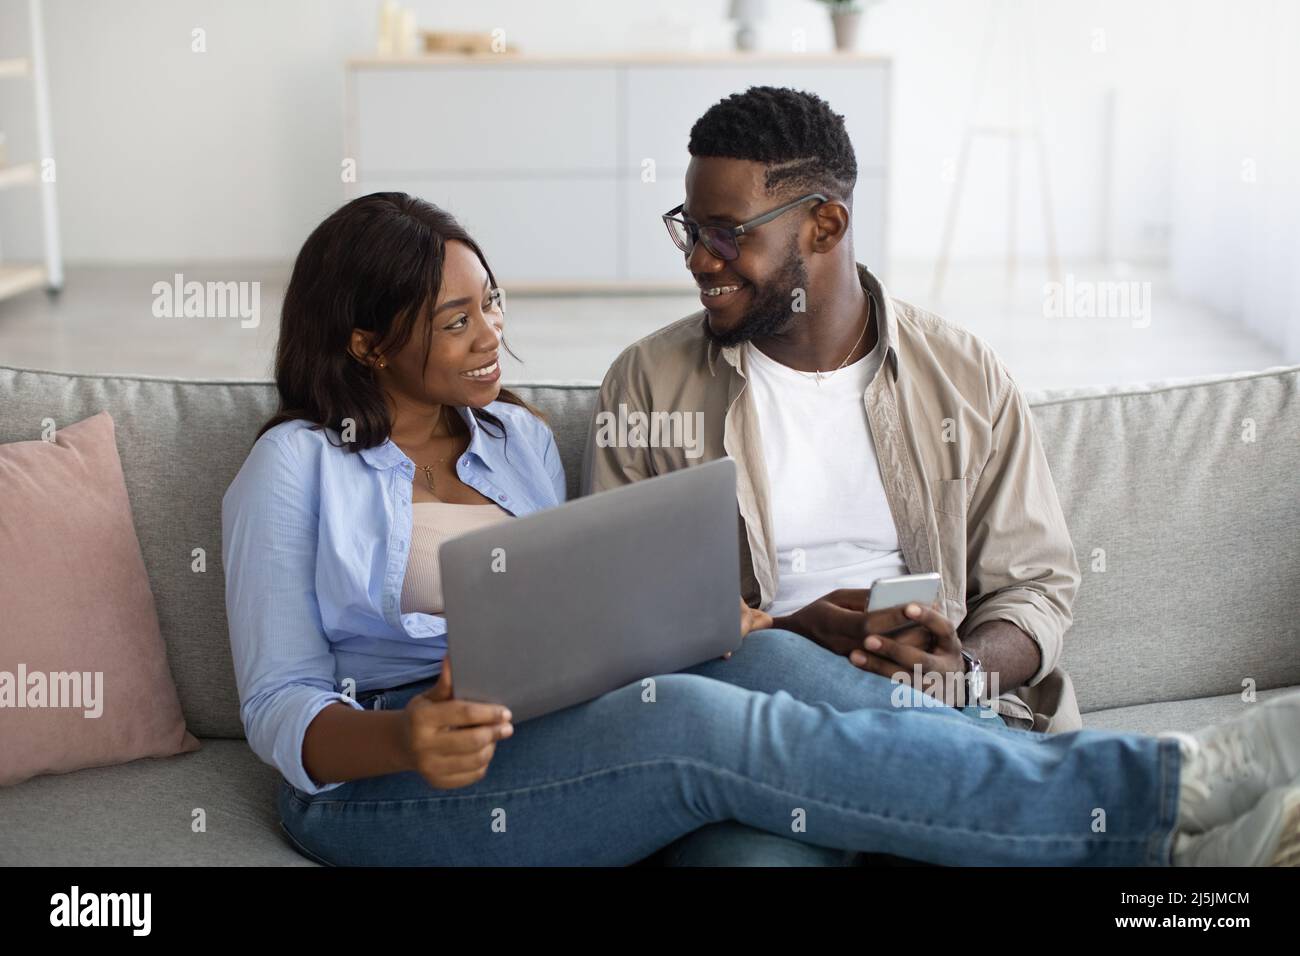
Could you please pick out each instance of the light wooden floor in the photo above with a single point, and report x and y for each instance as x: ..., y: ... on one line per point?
x: 103, y: 322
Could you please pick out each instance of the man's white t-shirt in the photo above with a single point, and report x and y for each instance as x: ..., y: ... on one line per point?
x: 830, y: 517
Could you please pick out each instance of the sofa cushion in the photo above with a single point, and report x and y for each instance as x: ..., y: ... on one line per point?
x: 84, y: 680
x: 1183, y: 502
x: 141, y: 814
x: 1175, y: 714
x: 569, y: 410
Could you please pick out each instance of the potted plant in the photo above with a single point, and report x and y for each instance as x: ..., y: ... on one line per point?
x: 846, y: 15
x: 747, y: 14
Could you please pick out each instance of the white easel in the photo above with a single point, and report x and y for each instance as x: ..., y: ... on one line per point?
x: 1022, y: 125
x: 16, y: 278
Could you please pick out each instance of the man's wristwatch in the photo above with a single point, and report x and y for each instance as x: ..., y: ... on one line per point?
x: 975, y: 678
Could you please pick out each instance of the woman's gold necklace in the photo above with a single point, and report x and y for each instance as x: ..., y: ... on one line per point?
x: 428, y: 475
x: 428, y: 469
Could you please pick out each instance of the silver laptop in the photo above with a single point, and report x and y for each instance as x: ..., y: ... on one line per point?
x: 558, y: 607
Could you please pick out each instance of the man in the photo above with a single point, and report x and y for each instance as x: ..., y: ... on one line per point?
x: 871, y: 438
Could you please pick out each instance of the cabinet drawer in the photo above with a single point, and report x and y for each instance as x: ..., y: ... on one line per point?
x: 468, y: 120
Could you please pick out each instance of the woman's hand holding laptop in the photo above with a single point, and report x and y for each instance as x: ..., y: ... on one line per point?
x: 451, y: 742
x: 751, y: 619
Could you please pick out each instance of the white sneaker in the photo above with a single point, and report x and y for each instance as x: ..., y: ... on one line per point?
x: 1268, y: 835
x: 1228, y: 767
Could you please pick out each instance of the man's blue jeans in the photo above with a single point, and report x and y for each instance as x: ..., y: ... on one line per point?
x: 806, y: 753
x: 810, y: 673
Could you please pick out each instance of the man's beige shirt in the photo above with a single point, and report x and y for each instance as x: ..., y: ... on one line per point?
x: 965, y: 476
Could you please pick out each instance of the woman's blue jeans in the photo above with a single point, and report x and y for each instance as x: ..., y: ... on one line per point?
x: 784, y: 737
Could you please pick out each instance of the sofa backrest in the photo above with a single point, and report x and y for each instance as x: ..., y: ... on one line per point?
x: 1199, y: 528
x: 1183, y: 502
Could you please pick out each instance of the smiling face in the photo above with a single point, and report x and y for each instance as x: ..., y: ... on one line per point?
x: 750, y: 296
x: 463, y: 333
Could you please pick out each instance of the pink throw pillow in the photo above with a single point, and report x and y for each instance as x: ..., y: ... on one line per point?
x: 84, y: 680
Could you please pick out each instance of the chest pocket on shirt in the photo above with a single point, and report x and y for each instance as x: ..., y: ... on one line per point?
x: 949, y: 497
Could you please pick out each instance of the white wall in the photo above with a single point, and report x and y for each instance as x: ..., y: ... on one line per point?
x: 1236, y: 184
x: 165, y: 154
x: 169, y: 155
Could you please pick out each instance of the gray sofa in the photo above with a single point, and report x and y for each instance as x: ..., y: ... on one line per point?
x: 1199, y: 529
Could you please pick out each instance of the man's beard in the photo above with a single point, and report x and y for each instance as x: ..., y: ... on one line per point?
x: 772, y: 310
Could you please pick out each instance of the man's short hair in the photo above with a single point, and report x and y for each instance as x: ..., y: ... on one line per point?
x: 798, y: 136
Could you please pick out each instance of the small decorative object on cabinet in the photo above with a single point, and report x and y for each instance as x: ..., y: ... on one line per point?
x: 444, y: 41
x: 846, y: 19
x: 747, y: 14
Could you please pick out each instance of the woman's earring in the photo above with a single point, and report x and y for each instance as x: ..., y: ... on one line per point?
x: 383, y: 364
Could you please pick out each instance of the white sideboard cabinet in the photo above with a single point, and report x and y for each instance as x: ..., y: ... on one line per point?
x: 544, y: 159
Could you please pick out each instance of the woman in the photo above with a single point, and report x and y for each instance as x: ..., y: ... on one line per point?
x: 394, y: 433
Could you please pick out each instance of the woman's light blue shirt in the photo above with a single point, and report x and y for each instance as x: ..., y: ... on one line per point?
x: 315, y: 541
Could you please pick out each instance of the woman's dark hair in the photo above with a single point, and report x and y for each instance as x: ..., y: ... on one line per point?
x: 376, y: 265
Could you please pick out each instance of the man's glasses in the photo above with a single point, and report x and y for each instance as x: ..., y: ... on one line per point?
x: 720, y: 241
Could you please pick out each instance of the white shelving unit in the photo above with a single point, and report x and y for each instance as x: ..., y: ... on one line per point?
x: 16, y: 277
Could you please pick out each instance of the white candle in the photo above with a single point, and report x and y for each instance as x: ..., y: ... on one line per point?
x: 406, y: 34
x: 387, y: 27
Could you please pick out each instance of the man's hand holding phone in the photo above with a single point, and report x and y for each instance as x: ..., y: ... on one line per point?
x: 835, y: 621
x: 904, y: 630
